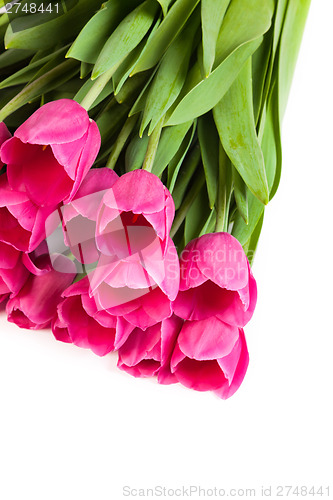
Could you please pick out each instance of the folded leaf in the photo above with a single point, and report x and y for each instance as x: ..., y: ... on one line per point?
x: 244, y: 21
x: 170, y: 76
x: 212, y: 14
x: 126, y: 37
x: 240, y: 192
x: 171, y: 139
x: 209, y: 146
x: 166, y: 33
x: 205, y: 95
x: 95, y: 33
x: 234, y: 120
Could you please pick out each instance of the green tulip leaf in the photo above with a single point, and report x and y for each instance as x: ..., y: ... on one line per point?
x: 240, y: 192
x: 170, y: 77
x: 165, y: 34
x: 244, y: 21
x: 25, y: 32
x: 212, y: 14
x: 209, y: 146
x: 206, y: 94
x: 96, y: 32
x: 234, y: 120
x: 170, y: 141
x: 126, y: 36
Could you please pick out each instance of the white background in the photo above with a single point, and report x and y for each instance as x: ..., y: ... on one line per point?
x: 74, y: 427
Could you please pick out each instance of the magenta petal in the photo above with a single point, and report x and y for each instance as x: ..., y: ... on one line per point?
x: 140, y: 319
x: 170, y: 330
x: 8, y: 256
x: 156, y: 304
x: 25, y: 213
x: 17, y: 154
x: 4, y: 136
x: 139, y: 344
x: 88, y: 155
x: 60, y: 331
x: 38, y: 231
x: 90, y: 194
x: 83, y: 330
x: 138, y: 191
x: 200, y: 375
x: 56, y: 122
x: 190, y: 274
x: 163, y: 269
x: 44, y: 179
x: 8, y: 196
x: 97, y: 180
x: 11, y: 232
x: 68, y: 154
x: 31, y: 266
x: 207, y: 339
x: 36, y: 304
x: 14, y: 278
x: 4, y: 133
x: 224, y: 261
x: 123, y: 331
x: 146, y: 368
x: 79, y: 288
x: 204, y: 301
x: 169, y: 333
x: 16, y: 315
x: 234, y: 366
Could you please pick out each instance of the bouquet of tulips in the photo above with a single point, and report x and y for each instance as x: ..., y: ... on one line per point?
x: 140, y: 143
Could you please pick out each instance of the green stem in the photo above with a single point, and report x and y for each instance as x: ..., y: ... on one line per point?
x: 186, y: 205
x: 121, y: 140
x: 96, y: 89
x: 152, y: 146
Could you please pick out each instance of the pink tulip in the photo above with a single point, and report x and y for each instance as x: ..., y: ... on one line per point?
x: 140, y: 205
x: 138, y: 271
x: 95, y: 330
x: 35, y: 305
x: 148, y: 353
x: 216, y: 281
x: 13, y: 273
x: 210, y: 356
x: 47, y: 160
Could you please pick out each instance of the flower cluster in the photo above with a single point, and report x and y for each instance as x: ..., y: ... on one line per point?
x: 89, y: 254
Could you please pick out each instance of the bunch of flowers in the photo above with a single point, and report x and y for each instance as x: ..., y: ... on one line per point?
x: 143, y: 144
x: 90, y: 254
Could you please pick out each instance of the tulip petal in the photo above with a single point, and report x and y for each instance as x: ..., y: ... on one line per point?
x: 139, y: 344
x: 138, y: 191
x: 56, y: 122
x: 83, y: 330
x: 123, y: 331
x: 224, y: 261
x: 9, y: 256
x: 200, y: 375
x: 207, y: 339
x: 35, y: 305
x: 11, y: 232
x: 60, y: 331
x: 4, y: 133
x: 226, y: 364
